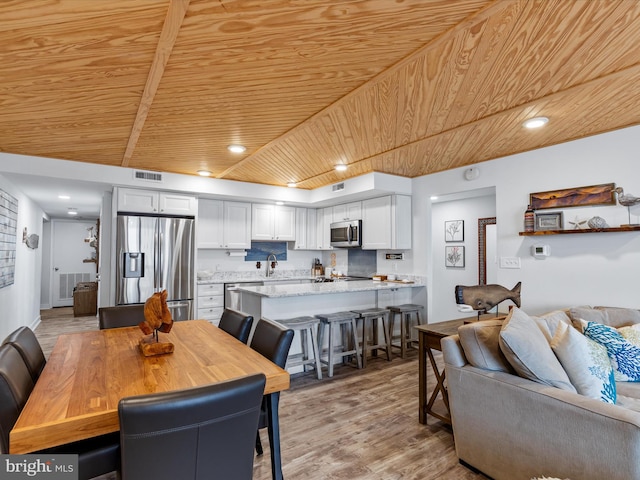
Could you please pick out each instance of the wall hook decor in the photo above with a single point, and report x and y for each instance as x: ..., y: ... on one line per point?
x: 30, y: 240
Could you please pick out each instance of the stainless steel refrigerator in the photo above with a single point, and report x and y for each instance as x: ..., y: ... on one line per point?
x: 155, y: 254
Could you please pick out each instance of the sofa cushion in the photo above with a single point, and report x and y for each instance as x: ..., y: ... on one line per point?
x: 527, y: 350
x: 612, y: 316
x: 586, y: 363
x: 624, y: 356
x: 480, y: 343
x: 620, y: 317
x: 631, y: 334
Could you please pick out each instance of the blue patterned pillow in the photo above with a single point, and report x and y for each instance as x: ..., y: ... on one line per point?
x: 624, y: 356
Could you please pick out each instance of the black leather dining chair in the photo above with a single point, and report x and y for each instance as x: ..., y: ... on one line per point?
x: 272, y: 341
x: 96, y: 456
x: 120, y: 316
x: 236, y: 323
x: 193, y: 434
x: 24, y: 340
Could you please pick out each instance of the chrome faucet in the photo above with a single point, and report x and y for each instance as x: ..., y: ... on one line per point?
x: 271, y: 264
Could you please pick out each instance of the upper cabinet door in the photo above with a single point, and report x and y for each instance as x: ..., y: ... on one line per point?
x: 210, y: 224
x: 177, y: 204
x: 137, y: 201
x: 262, y: 221
x: 347, y: 211
x: 284, y: 223
x: 237, y: 225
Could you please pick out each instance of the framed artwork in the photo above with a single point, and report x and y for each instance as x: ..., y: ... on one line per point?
x: 454, y: 256
x: 549, y: 221
x: 574, y: 197
x: 454, y: 231
x: 8, y: 233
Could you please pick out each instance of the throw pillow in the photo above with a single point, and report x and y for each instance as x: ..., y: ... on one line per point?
x: 624, y: 356
x: 529, y: 353
x: 631, y: 334
x: 586, y: 363
x: 549, y: 322
x: 479, y: 341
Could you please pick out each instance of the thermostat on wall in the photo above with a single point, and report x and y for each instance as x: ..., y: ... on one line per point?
x: 540, y: 251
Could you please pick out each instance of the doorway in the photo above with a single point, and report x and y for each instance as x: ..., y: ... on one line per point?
x: 71, y: 259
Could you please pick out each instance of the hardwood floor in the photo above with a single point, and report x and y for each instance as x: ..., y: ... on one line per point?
x: 361, y: 424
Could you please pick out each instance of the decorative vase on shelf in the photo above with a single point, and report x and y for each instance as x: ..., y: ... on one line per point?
x: 529, y: 220
x: 597, y: 223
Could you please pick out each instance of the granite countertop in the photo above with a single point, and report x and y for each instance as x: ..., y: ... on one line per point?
x: 240, y: 279
x: 297, y: 290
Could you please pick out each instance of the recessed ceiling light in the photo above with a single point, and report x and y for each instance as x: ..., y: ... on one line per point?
x: 535, y: 122
x: 341, y: 168
x: 236, y: 148
x: 72, y: 211
x: 64, y: 197
x: 204, y: 173
x: 434, y: 197
x: 279, y: 203
x: 292, y: 184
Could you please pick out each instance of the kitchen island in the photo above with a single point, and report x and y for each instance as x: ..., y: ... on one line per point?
x: 276, y: 302
x: 287, y: 301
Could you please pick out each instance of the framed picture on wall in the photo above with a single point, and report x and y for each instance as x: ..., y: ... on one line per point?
x: 454, y: 256
x: 454, y: 231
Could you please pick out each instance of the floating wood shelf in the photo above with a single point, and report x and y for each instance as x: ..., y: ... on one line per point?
x: 90, y: 260
x: 623, y: 228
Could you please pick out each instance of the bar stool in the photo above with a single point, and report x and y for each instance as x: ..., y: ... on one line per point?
x: 346, y: 321
x: 407, y: 312
x: 305, y: 325
x: 371, y: 320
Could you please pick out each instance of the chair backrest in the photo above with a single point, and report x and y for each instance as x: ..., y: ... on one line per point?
x: 16, y: 385
x: 236, y: 323
x: 24, y: 340
x: 273, y: 341
x: 199, y: 433
x: 120, y: 316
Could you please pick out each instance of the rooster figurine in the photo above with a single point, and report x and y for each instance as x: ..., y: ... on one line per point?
x: 157, y: 318
x: 626, y: 200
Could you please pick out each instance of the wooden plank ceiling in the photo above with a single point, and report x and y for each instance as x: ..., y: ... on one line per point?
x: 403, y: 87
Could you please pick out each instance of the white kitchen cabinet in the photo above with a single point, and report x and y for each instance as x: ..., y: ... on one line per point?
x: 224, y: 224
x: 386, y: 223
x: 305, y: 229
x: 210, y: 302
x: 152, y: 201
x: 237, y: 225
x: 273, y: 222
x: 347, y: 211
x: 210, y: 224
x: 323, y: 234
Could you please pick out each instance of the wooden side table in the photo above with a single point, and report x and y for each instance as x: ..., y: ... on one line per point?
x: 429, y: 336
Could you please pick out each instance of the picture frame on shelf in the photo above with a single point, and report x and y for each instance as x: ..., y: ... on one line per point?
x: 454, y: 231
x: 454, y: 256
x: 549, y: 221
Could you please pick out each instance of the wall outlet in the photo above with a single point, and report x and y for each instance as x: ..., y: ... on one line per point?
x: 509, y: 262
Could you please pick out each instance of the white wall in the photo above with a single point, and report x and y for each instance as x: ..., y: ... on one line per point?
x: 21, y: 301
x: 592, y: 269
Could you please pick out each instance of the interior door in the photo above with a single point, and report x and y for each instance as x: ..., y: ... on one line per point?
x: 68, y: 252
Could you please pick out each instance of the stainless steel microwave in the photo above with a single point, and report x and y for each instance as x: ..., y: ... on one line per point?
x: 346, y: 234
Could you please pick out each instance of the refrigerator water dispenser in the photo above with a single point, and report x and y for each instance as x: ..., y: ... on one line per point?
x: 133, y: 265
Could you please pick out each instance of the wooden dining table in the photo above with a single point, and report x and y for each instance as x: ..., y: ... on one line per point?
x: 87, y: 373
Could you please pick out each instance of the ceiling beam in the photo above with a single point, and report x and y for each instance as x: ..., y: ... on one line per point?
x: 172, y: 23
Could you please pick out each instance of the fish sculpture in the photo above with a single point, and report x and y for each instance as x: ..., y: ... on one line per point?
x: 485, y: 297
x: 157, y: 316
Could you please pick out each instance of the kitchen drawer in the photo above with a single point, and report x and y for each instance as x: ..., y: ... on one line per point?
x: 210, y: 301
x: 210, y: 289
x: 210, y: 314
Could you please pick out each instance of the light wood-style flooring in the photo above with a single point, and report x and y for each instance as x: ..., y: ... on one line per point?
x: 361, y: 424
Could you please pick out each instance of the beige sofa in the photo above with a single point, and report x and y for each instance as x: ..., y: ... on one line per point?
x: 510, y: 427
